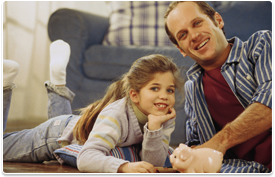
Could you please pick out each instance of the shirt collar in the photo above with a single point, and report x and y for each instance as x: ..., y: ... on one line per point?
x: 142, y: 118
x: 236, y: 51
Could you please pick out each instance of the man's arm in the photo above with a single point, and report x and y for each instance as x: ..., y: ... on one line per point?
x: 256, y: 119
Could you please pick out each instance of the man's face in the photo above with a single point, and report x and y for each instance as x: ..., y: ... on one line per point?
x: 196, y: 34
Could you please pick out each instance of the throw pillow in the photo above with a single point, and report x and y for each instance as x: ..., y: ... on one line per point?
x: 68, y: 154
x: 139, y: 23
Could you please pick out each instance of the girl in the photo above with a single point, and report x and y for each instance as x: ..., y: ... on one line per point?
x: 137, y: 109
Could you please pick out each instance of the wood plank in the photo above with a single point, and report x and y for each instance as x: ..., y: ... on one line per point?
x: 45, y: 167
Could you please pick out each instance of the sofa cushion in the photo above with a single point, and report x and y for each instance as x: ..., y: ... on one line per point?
x: 109, y: 63
x: 137, y: 23
x: 243, y: 18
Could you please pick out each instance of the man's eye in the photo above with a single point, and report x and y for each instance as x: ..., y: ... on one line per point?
x: 182, y: 35
x: 197, y: 23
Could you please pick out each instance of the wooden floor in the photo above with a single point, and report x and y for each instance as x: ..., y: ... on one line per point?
x: 45, y: 167
x: 52, y: 167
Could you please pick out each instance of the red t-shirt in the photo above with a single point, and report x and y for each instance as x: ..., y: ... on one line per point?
x: 224, y: 107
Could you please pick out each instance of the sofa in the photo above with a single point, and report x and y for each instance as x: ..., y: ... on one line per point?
x: 99, y: 55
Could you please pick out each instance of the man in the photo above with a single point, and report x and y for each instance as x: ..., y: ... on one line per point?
x: 228, y: 94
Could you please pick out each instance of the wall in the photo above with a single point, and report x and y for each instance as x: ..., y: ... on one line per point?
x: 26, y: 41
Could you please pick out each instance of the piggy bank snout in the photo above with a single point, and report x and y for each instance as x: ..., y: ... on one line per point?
x: 219, y: 154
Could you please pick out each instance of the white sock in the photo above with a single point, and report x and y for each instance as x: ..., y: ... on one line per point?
x: 60, y: 53
x: 10, y: 71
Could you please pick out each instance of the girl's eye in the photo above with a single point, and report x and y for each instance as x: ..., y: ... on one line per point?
x: 170, y: 90
x: 154, y: 89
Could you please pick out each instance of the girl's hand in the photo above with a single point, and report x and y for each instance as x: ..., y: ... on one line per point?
x: 137, y: 167
x: 155, y: 122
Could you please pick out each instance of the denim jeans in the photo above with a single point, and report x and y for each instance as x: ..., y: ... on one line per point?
x: 39, y: 143
x: 7, y: 92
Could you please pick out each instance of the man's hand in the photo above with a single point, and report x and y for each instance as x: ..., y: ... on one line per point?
x: 137, y: 167
x: 213, y: 145
x: 155, y: 122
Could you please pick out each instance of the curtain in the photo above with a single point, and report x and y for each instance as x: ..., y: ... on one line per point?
x: 26, y: 41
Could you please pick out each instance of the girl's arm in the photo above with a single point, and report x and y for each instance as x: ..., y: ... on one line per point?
x: 94, y: 156
x: 106, y: 134
x: 156, y: 141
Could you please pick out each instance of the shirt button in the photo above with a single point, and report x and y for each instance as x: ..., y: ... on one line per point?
x: 248, y: 77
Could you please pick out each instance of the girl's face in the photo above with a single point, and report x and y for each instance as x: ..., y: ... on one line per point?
x: 157, y: 96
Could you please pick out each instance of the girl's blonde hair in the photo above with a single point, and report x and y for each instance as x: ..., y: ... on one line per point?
x: 141, y: 72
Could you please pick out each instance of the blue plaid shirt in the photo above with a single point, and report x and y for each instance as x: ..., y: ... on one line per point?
x: 248, y: 71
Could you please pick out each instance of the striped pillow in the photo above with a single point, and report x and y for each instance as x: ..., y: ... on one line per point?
x: 139, y: 23
x: 68, y: 154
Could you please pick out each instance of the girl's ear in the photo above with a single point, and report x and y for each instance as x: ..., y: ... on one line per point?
x: 134, y: 96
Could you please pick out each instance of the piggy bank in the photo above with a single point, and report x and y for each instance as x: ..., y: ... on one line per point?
x: 203, y: 160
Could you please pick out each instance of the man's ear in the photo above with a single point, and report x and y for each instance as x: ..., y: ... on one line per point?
x: 133, y: 96
x: 182, y: 52
x: 219, y: 20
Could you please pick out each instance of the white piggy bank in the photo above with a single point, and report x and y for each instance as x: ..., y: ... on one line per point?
x: 203, y: 160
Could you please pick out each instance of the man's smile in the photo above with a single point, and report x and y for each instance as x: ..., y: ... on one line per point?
x: 202, y: 44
